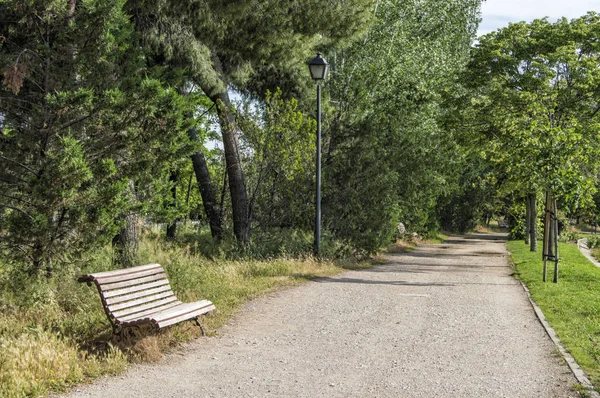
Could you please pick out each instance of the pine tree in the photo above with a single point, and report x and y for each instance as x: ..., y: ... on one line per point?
x: 81, y: 114
x: 246, y: 45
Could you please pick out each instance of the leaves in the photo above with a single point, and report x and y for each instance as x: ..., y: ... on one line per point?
x: 83, y: 115
x: 388, y: 156
x: 536, y: 95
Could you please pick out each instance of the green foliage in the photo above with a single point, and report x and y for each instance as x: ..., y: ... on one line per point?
x: 81, y: 115
x: 460, y: 213
x: 593, y: 242
x: 569, y: 236
x: 280, y: 163
x: 471, y: 200
x: 98, y: 99
x: 535, y: 106
x: 260, y: 45
x: 517, y: 217
x: 388, y: 156
x: 251, y: 46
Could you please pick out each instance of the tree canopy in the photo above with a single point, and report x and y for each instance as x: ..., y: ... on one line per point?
x: 110, y: 108
x: 535, y: 106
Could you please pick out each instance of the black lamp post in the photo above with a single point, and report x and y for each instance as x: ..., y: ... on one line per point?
x: 318, y: 70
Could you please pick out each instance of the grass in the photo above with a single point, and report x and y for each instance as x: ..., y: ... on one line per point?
x: 54, y: 333
x: 436, y: 240
x: 492, y: 227
x: 401, y: 246
x: 596, y: 253
x: 408, y: 244
x: 572, y: 306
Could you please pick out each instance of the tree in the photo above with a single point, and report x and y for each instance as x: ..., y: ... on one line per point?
x: 248, y: 45
x: 537, y: 108
x: 280, y: 142
x: 388, y: 156
x: 81, y: 116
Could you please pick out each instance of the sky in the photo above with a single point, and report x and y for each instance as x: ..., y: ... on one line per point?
x: 498, y: 13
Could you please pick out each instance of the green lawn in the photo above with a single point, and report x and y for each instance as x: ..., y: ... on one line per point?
x: 572, y: 306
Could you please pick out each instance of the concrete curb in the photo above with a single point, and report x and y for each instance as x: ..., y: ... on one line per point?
x: 577, y: 371
x: 583, y: 249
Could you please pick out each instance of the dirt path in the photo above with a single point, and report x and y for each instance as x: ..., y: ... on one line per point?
x: 444, y: 321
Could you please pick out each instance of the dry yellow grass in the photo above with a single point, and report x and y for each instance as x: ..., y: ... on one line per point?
x: 63, y: 337
x: 38, y: 362
x: 401, y: 246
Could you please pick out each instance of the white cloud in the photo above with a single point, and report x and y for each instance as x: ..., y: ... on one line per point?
x: 498, y: 13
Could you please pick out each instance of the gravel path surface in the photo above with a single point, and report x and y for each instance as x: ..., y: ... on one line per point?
x: 443, y: 321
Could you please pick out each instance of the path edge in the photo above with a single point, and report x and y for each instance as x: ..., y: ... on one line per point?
x: 583, y: 249
x: 579, y: 374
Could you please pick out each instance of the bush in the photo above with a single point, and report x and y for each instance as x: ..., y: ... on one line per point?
x: 265, y: 244
x: 593, y: 242
x: 568, y: 236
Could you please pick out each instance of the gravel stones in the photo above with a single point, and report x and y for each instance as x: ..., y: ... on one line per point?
x: 443, y: 321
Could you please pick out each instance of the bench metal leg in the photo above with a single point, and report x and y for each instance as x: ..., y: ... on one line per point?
x: 201, y: 328
x: 117, y: 330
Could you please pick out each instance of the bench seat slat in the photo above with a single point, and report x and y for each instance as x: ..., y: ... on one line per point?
x: 140, y: 294
x: 152, y: 317
x: 133, y: 289
x: 134, y: 303
x: 132, y: 282
x: 118, y: 314
x: 189, y: 315
x: 180, y: 309
x: 149, y: 312
x: 183, y: 309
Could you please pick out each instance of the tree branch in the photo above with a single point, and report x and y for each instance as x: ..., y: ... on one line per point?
x: 29, y: 169
x: 16, y: 209
x: 15, y: 198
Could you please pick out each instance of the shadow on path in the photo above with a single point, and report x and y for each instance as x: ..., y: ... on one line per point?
x: 441, y: 254
x: 326, y: 279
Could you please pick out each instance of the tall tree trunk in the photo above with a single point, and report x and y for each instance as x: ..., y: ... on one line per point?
x: 172, y: 228
x: 207, y: 191
x: 532, y: 222
x: 527, y: 220
x: 233, y: 161
x: 217, y: 92
x: 71, y: 8
x: 126, y: 243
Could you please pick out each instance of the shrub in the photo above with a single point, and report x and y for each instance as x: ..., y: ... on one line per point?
x: 593, y: 242
x: 568, y: 236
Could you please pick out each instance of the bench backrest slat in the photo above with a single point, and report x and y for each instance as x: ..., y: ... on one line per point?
x: 126, y: 277
x: 139, y: 294
x: 124, y: 271
x: 134, y: 289
x: 145, y: 300
x: 154, y: 310
x: 133, y: 282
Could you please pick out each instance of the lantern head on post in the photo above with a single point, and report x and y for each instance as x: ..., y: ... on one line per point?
x: 318, y: 67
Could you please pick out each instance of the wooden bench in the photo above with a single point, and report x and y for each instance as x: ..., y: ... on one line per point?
x: 143, y: 295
